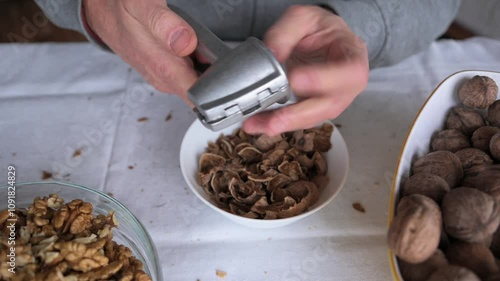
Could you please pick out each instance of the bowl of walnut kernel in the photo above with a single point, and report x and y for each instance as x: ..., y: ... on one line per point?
x: 57, y: 231
x: 444, y: 213
x: 264, y: 181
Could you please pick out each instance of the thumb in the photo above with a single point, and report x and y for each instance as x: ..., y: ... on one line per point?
x: 170, y: 30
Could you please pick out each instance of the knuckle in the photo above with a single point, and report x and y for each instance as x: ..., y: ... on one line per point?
x: 299, y: 11
x: 158, y: 23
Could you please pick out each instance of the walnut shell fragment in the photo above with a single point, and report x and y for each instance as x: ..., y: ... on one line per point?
x: 453, y: 273
x: 426, y: 184
x: 474, y: 256
x: 266, y: 177
x: 444, y: 164
x: 469, y: 214
x: 478, y: 92
x: 415, y: 231
x: 465, y: 120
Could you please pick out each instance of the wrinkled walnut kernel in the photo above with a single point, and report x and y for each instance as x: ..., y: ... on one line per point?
x: 60, y: 241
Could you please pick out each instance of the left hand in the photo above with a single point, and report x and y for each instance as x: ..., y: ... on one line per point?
x: 327, y: 68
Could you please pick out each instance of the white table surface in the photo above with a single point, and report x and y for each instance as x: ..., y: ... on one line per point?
x: 55, y: 98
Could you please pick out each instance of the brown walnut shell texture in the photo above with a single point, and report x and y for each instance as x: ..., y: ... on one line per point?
x: 481, y: 138
x: 486, y: 180
x: 469, y: 214
x: 478, y: 92
x: 473, y: 256
x: 495, y: 243
x: 430, y: 185
x: 422, y: 271
x: 266, y: 177
x: 465, y: 120
x: 415, y: 231
x: 471, y: 157
x: 449, y: 140
x: 444, y: 164
x: 453, y: 273
x: 493, y: 116
x: 495, y: 146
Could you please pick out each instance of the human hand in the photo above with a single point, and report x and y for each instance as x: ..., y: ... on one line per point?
x: 327, y: 68
x: 148, y: 36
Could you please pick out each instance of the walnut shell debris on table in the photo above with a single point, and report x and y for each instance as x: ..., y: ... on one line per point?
x: 266, y: 177
x: 57, y: 241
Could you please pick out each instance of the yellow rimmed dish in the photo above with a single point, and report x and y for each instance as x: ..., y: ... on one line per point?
x: 430, y: 119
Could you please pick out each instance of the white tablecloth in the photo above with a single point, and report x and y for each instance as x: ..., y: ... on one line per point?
x: 57, y: 98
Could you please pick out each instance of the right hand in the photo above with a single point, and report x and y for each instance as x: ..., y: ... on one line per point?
x: 148, y: 36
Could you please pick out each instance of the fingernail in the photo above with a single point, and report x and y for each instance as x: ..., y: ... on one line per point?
x: 301, y: 81
x: 179, y: 40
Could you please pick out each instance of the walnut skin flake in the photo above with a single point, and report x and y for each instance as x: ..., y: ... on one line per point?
x: 266, y: 177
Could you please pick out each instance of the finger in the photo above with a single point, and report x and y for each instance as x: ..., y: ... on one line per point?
x: 170, y: 30
x: 296, y: 23
x: 325, y: 79
x: 304, y: 114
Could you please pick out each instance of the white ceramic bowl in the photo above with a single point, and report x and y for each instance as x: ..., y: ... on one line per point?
x: 195, y: 141
x: 430, y: 119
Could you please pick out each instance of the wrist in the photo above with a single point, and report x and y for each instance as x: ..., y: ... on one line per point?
x: 87, y: 24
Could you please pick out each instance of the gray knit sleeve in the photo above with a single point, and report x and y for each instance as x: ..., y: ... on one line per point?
x: 396, y: 29
x: 66, y: 14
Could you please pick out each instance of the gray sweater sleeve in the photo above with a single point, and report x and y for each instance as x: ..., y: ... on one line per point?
x: 392, y: 29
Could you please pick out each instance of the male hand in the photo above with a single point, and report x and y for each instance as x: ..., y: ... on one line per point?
x: 327, y: 68
x: 150, y: 37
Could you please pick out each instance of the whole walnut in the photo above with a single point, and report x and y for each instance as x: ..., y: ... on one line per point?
x: 478, y: 92
x: 430, y: 185
x: 416, y: 229
x: 495, y: 243
x: 487, y: 180
x: 469, y: 214
x: 471, y: 157
x: 453, y: 273
x: 493, y: 277
x: 495, y: 146
x: 465, y: 120
x: 444, y: 164
x: 481, y: 137
x: 493, y: 116
x: 422, y: 271
x: 473, y: 256
x: 449, y: 140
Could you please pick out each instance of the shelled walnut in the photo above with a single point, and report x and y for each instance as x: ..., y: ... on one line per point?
x: 57, y: 241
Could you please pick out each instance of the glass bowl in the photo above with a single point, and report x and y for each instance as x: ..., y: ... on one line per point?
x: 130, y: 232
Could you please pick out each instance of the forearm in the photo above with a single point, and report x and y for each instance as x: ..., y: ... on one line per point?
x: 396, y: 29
x: 68, y: 14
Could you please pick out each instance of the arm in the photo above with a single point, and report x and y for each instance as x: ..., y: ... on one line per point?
x: 391, y: 29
